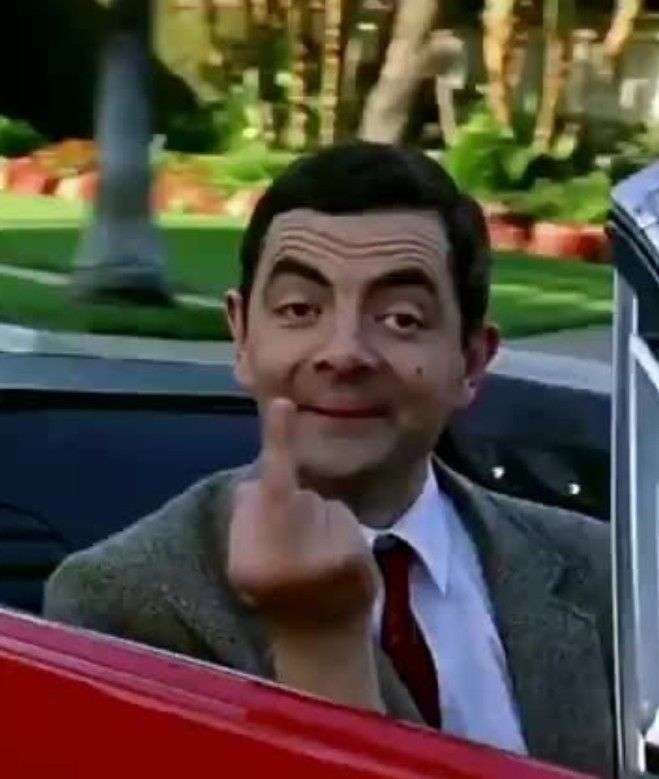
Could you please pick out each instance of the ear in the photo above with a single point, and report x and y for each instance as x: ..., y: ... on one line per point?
x: 482, y: 348
x: 236, y: 313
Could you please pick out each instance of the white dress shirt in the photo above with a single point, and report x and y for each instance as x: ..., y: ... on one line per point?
x: 452, y: 607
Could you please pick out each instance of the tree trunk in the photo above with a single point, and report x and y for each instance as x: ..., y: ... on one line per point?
x: 515, y: 60
x: 298, y: 27
x: 407, y: 62
x: 259, y: 12
x: 622, y: 27
x: 331, y: 78
x: 121, y: 254
x: 352, y: 53
x: 451, y: 75
x: 559, y: 17
x: 498, y: 38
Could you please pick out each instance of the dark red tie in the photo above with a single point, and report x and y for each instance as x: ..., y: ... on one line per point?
x: 402, y: 638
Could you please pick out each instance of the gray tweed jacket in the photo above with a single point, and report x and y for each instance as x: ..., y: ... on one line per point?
x: 163, y: 582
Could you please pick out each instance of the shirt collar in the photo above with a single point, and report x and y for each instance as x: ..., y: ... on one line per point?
x: 425, y: 528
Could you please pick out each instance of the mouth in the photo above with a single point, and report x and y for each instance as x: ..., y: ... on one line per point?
x: 345, y: 412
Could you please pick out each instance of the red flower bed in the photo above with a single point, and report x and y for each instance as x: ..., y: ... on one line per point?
x: 25, y: 176
x: 186, y: 193
x: 569, y: 241
x: 83, y: 187
x: 510, y: 231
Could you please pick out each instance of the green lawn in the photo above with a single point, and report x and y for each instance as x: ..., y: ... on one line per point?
x: 530, y: 295
x: 22, y: 209
x: 201, y: 258
x: 29, y: 303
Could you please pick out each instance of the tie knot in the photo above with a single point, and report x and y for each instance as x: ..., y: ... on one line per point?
x: 389, y: 545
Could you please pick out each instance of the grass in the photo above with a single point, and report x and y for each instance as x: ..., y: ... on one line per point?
x: 30, y: 303
x: 532, y: 295
x: 201, y: 258
x: 44, y: 210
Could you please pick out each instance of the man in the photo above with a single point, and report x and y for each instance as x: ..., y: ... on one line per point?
x: 361, y: 328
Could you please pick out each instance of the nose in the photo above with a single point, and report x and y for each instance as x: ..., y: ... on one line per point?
x: 346, y: 350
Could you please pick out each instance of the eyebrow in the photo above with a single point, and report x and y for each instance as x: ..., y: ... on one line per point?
x: 290, y: 267
x: 406, y: 277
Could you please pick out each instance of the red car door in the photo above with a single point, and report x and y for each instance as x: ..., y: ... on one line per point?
x: 80, y: 705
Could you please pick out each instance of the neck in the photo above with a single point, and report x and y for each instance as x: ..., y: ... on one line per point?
x: 377, y: 499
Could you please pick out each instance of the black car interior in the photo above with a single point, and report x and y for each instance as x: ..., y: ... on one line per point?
x: 80, y: 464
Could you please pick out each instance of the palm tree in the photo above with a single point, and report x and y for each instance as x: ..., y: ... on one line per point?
x: 121, y: 255
x: 331, y: 78
x: 558, y: 26
x: 299, y: 28
x: 499, y: 22
x: 622, y: 26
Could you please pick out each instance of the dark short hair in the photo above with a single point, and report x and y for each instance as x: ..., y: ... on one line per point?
x: 362, y: 176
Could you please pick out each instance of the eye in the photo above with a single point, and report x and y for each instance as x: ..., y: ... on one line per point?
x: 402, y: 322
x: 297, y: 312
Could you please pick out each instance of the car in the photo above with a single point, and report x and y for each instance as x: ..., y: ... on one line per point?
x: 93, y: 443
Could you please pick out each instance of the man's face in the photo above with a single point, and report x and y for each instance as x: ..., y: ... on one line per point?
x: 355, y: 319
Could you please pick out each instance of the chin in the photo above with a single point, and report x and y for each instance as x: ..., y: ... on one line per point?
x: 335, y: 461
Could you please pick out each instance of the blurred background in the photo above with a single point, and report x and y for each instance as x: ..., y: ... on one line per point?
x: 136, y: 136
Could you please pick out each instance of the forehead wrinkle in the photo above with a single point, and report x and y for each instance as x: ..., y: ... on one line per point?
x: 356, y: 230
x: 367, y: 237
x: 300, y: 247
x: 403, y: 245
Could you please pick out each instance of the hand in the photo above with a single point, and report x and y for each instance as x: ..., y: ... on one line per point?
x: 298, y: 559
x: 304, y: 565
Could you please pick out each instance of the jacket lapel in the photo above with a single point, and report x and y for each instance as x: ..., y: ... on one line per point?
x: 552, y: 645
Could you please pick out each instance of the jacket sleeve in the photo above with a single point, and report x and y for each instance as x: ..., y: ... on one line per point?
x: 89, y: 592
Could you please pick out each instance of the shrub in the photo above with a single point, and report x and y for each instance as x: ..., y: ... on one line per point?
x: 250, y: 166
x: 18, y: 138
x: 231, y: 123
x: 582, y: 199
x: 194, y: 132
x: 487, y: 158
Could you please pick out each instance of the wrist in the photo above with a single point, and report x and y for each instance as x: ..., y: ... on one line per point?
x: 337, y: 665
